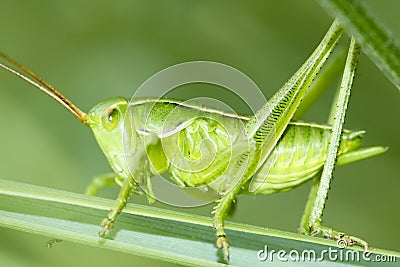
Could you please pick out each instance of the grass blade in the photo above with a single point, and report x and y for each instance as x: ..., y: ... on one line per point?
x: 376, y: 41
x: 151, y: 232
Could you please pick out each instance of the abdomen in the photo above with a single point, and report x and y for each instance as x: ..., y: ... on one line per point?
x: 299, y: 155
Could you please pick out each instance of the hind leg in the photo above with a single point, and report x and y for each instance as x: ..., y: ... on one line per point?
x: 311, y: 221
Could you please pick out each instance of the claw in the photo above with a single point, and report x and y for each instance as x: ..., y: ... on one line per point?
x: 346, y: 240
x: 343, y: 240
x: 107, y: 225
x: 223, y: 243
x: 102, y: 232
x: 51, y: 242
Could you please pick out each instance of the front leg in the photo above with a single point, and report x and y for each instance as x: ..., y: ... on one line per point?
x: 123, y: 196
x: 137, y: 181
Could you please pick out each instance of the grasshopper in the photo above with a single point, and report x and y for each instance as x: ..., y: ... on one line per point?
x: 261, y: 154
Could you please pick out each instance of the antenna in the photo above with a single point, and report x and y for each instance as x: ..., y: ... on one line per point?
x: 42, y: 85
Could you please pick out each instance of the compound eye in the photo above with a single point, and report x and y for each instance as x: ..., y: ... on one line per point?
x: 111, y: 119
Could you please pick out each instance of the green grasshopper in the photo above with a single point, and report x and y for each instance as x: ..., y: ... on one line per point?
x: 229, y: 154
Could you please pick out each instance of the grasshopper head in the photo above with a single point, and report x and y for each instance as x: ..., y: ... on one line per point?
x: 107, y: 121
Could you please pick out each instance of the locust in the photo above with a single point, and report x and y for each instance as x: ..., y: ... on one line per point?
x: 229, y: 154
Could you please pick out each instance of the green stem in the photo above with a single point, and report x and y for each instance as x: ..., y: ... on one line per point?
x: 375, y: 40
x: 146, y: 231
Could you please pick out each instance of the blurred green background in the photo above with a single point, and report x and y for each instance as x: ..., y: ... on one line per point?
x: 92, y: 50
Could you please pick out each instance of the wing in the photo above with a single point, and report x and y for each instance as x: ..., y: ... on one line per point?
x: 195, y: 143
x: 165, y: 117
x: 200, y: 153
